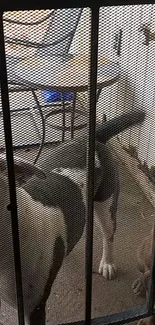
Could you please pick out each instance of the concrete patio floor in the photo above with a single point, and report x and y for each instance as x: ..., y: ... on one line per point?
x: 67, y: 299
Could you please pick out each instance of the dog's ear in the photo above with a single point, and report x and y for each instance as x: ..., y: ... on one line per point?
x: 23, y: 168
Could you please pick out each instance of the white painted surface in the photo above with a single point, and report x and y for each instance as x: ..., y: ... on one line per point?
x: 135, y: 88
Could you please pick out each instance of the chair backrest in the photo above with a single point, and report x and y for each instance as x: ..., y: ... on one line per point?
x: 60, y: 32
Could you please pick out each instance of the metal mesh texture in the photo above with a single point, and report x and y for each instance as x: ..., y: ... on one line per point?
x: 48, y: 64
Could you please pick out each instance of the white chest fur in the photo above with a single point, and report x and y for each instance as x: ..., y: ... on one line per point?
x: 39, y: 227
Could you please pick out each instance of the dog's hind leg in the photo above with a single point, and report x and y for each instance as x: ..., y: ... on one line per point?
x: 105, y: 218
x: 141, y: 285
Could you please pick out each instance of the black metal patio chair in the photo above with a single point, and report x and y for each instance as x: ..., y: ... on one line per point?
x: 56, y: 42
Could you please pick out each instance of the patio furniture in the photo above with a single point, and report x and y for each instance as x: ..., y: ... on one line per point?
x: 71, y: 75
x: 56, y: 43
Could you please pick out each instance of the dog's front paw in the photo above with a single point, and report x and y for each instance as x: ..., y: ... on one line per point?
x: 107, y: 270
x: 139, y: 286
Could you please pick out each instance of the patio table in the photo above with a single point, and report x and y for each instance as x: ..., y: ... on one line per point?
x: 63, y: 74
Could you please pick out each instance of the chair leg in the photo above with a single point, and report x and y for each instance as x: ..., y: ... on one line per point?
x: 104, y: 118
x: 98, y: 94
x: 73, y: 116
x: 38, y: 316
x: 43, y: 126
x: 63, y: 118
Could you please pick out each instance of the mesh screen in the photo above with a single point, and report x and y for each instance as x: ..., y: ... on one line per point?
x: 48, y: 57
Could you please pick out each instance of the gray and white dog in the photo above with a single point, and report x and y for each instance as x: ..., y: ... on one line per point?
x: 51, y: 214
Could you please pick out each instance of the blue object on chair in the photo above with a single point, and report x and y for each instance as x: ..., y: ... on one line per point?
x: 55, y: 96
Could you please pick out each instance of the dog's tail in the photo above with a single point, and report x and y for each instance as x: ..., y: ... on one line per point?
x: 118, y: 124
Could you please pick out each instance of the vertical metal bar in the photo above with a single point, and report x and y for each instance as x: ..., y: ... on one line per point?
x: 11, y: 175
x: 145, y: 83
x: 73, y: 115
x: 151, y: 301
x: 90, y: 160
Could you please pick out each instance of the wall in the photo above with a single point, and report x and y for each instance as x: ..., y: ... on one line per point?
x: 135, y: 88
